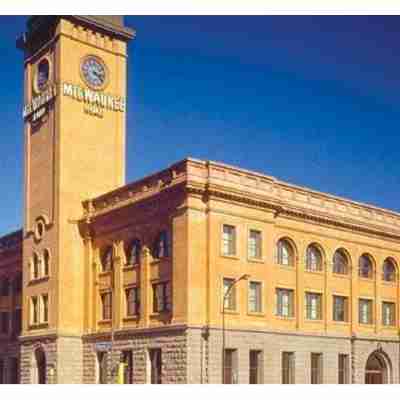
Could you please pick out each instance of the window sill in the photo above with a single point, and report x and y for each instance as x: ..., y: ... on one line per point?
x: 230, y: 312
x: 132, y: 318
x: 38, y: 280
x: 42, y: 325
x: 283, y: 318
x: 286, y: 267
x: 104, y: 273
x: 160, y: 314
x: 256, y: 260
x: 230, y: 256
x: 160, y: 260
x: 130, y: 267
x: 341, y: 322
x: 389, y: 283
x: 313, y: 320
x: 366, y: 324
x: 256, y: 314
x: 105, y: 322
x: 314, y: 272
x: 370, y: 280
x: 341, y: 276
x: 388, y: 326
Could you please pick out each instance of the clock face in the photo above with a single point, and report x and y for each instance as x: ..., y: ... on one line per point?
x: 94, y: 72
x: 42, y: 75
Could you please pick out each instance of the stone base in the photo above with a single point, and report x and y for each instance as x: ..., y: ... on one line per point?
x: 205, y: 356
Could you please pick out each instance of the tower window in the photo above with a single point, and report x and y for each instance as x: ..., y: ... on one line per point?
x: 106, y: 302
x: 46, y: 262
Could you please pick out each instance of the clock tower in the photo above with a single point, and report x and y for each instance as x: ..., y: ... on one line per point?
x: 74, y: 127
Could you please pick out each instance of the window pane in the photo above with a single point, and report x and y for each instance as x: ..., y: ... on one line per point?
x: 255, y: 297
x: 343, y: 369
x: 288, y: 371
x: 255, y: 244
x: 255, y: 363
x: 229, y: 240
x: 230, y: 301
x: 316, y: 368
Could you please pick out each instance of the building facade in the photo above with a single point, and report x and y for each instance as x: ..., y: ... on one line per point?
x: 200, y: 273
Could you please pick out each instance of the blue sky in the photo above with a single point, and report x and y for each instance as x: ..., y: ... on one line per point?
x: 311, y: 100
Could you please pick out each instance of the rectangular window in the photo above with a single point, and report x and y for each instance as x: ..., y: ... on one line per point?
x: 34, y: 311
x: 161, y: 297
x: 285, y: 303
x: 106, y: 303
x: 13, y: 368
x: 18, y: 284
x: 17, y: 322
x: 340, y: 308
x: 2, y: 380
x: 313, y: 306
x: 388, y: 313
x: 344, y: 369
x: 132, y: 301
x: 288, y: 370
x: 255, y: 244
x: 228, y: 240
x: 230, y: 366
x: 255, y: 297
x: 229, y: 294
x: 102, y: 367
x: 45, y: 308
x: 127, y: 359
x: 156, y: 366
x: 316, y: 368
x: 5, y: 322
x: 365, y: 311
x: 5, y: 288
x: 255, y: 363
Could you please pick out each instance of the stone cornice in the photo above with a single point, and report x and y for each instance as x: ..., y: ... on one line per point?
x: 208, y: 179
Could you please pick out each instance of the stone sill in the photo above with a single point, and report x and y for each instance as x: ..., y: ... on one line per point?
x: 286, y: 267
x: 130, y: 267
x: 230, y: 257
x: 38, y: 280
x: 256, y: 260
x: 133, y: 318
x: 43, y: 325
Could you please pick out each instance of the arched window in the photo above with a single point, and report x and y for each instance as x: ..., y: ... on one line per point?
x: 18, y: 283
x: 314, y: 258
x: 5, y: 287
x: 107, y: 259
x: 133, y: 252
x: 46, y: 262
x: 161, y: 245
x: 389, y: 271
x: 365, y: 267
x: 285, y: 253
x: 35, y: 266
x: 340, y: 262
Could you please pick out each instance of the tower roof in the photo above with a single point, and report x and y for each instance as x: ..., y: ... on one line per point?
x: 38, y: 25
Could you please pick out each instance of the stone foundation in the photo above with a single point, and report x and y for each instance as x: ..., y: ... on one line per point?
x: 205, y: 356
x: 194, y: 355
x: 173, y: 345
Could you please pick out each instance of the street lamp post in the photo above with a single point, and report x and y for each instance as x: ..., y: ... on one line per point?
x: 230, y: 287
